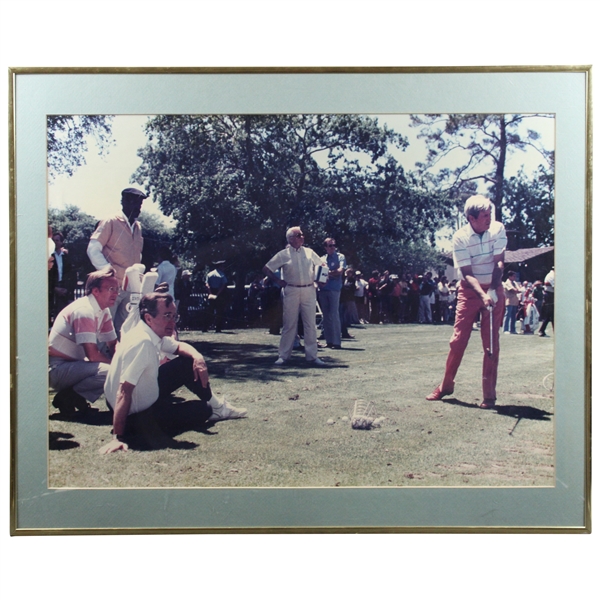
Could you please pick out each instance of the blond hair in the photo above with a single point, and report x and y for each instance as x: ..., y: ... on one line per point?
x: 475, y: 204
x: 95, y: 279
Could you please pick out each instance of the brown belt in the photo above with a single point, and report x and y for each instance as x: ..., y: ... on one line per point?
x: 293, y: 285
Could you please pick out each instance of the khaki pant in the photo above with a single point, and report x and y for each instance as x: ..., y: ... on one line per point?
x: 299, y: 301
x: 86, y: 378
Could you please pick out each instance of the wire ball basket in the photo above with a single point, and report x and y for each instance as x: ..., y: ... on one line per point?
x: 363, y: 415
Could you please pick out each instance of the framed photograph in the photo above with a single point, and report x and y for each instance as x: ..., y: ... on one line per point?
x: 378, y: 162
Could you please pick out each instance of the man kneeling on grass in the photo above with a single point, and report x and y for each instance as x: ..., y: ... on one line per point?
x: 139, y: 374
x: 80, y: 344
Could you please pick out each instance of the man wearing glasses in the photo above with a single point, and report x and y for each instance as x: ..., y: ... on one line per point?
x: 140, y: 375
x: 329, y: 294
x: 77, y: 365
x: 297, y: 281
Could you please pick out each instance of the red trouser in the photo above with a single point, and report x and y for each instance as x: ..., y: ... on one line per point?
x: 468, y: 306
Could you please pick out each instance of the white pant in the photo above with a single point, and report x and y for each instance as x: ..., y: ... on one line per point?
x: 119, y: 311
x: 424, y: 309
x: 299, y: 301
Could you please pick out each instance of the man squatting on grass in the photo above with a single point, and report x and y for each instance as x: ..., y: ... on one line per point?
x: 77, y: 365
x: 478, y: 250
x: 140, y: 373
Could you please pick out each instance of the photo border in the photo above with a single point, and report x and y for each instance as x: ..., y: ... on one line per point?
x: 35, y: 509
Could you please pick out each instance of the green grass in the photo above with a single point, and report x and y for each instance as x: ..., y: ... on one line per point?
x: 298, y: 431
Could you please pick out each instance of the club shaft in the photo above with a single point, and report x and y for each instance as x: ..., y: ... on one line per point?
x: 491, y: 331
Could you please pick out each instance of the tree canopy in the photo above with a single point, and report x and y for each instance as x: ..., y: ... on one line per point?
x: 529, y: 209
x: 464, y: 149
x: 234, y: 184
x: 76, y: 227
x: 68, y: 137
x: 156, y: 234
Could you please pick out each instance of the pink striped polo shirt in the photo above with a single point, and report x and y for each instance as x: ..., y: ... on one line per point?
x: 80, y: 322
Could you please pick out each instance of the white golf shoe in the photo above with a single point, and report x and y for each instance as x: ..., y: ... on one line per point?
x: 227, y: 411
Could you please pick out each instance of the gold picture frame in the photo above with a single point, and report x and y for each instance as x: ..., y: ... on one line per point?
x: 37, y: 92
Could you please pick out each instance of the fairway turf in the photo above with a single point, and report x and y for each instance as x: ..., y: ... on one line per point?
x: 298, y: 431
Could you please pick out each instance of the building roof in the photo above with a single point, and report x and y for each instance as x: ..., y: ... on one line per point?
x: 513, y: 256
x: 525, y: 254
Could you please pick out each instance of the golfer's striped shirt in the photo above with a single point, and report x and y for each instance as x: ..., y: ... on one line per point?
x: 478, y: 251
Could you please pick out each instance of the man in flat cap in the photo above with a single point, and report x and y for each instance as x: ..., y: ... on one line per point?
x: 117, y: 242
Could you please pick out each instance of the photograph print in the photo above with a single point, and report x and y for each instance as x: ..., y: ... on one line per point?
x: 301, y: 300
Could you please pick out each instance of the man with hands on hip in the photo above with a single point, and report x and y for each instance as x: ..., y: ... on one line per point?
x: 297, y: 264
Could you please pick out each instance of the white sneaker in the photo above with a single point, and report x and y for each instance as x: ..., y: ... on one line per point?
x: 317, y: 362
x: 227, y: 411
x: 280, y: 361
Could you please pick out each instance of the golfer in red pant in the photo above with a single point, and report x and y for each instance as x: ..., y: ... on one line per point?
x: 478, y: 251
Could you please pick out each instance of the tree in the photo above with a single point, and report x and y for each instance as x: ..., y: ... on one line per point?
x: 68, y: 138
x: 476, y: 147
x: 234, y: 184
x: 76, y: 227
x: 156, y: 234
x: 529, y: 209
x: 387, y: 220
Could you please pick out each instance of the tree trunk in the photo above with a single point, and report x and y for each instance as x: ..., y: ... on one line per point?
x: 499, y: 187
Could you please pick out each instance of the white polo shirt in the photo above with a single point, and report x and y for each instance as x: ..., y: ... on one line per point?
x: 136, y: 361
x: 549, y: 282
x: 478, y: 251
x: 297, y: 265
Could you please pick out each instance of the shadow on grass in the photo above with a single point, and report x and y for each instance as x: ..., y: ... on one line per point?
x: 61, y: 441
x: 344, y: 348
x: 241, y: 362
x: 516, y: 412
x: 456, y: 402
x: 141, y: 443
x: 171, y: 418
x: 178, y: 415
x: 524, y: 412
x: 213, y: 332
x: 93, y: 416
